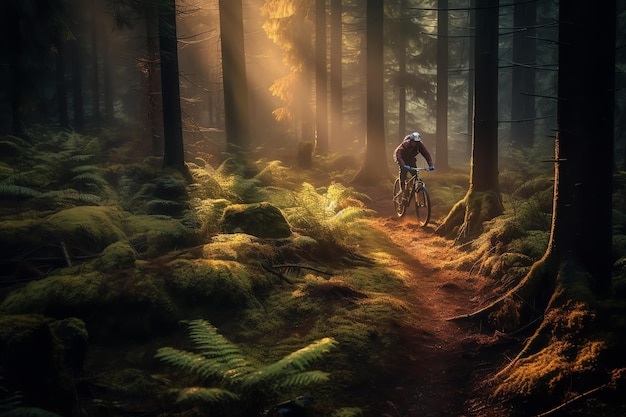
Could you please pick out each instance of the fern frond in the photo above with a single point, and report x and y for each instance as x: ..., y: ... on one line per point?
x: 80, y: 158
x: 347, y: 412
x: 89, y: 178
x: 191, y: 362
x: 206, y: 395
x: 299, y: 361
x: 218, y: 358
x: 349, y: 214
x: 75, y: 196
x: 303, y: 358
x: 301, y: 379
x: 225, y: 355
x: 85, y: 168
x: 17, y: 192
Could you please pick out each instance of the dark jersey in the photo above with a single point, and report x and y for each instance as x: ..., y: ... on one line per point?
x: 406, y: 153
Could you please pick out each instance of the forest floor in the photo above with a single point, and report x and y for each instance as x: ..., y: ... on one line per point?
x: 450, y: 359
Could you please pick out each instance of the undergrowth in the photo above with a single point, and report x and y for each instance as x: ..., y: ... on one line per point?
x: 233, y: 380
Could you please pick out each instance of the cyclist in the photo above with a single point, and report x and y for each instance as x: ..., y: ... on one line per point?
x: 406, y: 153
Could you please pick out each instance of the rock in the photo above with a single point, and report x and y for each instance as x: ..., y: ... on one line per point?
x: 260, y: 219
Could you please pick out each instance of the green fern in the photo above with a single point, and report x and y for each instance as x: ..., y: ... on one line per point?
x: 221, y: 361
x: 206, y: 395
x: 348, y: 412
x: 17, y: 192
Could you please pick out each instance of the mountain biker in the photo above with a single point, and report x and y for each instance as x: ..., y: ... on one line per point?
x: 406, y: 153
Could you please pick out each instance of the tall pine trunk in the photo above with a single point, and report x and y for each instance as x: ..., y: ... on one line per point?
x: 442, y: 86
x: 236, y: 111
x: 321, y: 79
x: 173, y: 150
x: 336, y: 81
x: 584, y: 151
x: 374, y: 167
x: 523, y: 76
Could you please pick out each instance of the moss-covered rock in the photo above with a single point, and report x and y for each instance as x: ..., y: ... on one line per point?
x: 119, y: 255
x: 211, y: 284
x: 124, y: 305
x: 153, y: 236
x: 260, y: 219
x: 90, y: 228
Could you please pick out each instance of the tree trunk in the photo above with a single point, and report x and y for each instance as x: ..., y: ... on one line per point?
x: 304, y: 83
x: 95, y: 70
x: 471, y: 74
x: 336, y: 82
x: 77, y: 85
x: 173, y: 149
x: 583, y: 196
x: 321, y: 78
x: 236, y: 110
x: 61, y: 87
x: 441, y: 147
x: 523, y: 77
x: 154, y: 102
x: 374, y: 167
x: 12, y: 32
x: 106, y: 76
x: 402, y: 75
x: 483, y: 200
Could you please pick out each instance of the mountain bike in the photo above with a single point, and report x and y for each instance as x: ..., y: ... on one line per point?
x: 415, y: 190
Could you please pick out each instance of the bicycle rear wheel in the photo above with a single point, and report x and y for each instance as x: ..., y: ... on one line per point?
x: 398, y: 205
x: 422, y: 206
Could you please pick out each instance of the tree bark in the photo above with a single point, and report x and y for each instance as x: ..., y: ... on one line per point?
x: 173, y: 149
x: 336, y: 81
x: 523, y: 76
x: 236, y: 110
x: 583, y: 196
x: 374, y: 167
x: 441, y: 147
x: 483, y: 200
x: 321, y: 78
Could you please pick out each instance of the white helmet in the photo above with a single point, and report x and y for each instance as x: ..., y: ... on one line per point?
x: 415, y: 137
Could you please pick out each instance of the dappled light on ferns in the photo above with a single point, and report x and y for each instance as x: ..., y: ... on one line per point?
x: 220, y: 362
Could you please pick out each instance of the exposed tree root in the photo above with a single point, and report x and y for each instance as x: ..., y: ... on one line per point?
x: 537, y: 281
x: 467, y: 216
x: 570, y: 401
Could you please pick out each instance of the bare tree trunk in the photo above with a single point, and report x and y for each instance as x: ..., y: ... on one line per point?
x: 483, y: 200
x: 583, y: 196
x: 441, y: 156
x: 523, y: 77
x: 95, y: 67
x: 321, y: 78
x: 236, y: 107
x: 61, y: 87
x: 336, y: 82
x: 374, y: 167
x: 402, y: 75
x: 173, y: 149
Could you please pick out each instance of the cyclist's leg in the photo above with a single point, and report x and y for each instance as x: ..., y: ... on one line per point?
x: 402, y: 175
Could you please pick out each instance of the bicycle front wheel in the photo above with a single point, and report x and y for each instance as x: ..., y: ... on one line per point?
x: 422, y: 206
x: 398, y: 204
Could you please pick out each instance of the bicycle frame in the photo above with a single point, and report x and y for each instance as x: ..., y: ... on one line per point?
x: 415, y: 190
x: 414, y: 181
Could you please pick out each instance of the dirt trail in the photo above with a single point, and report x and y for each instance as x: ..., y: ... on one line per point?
x: 450, y: 358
